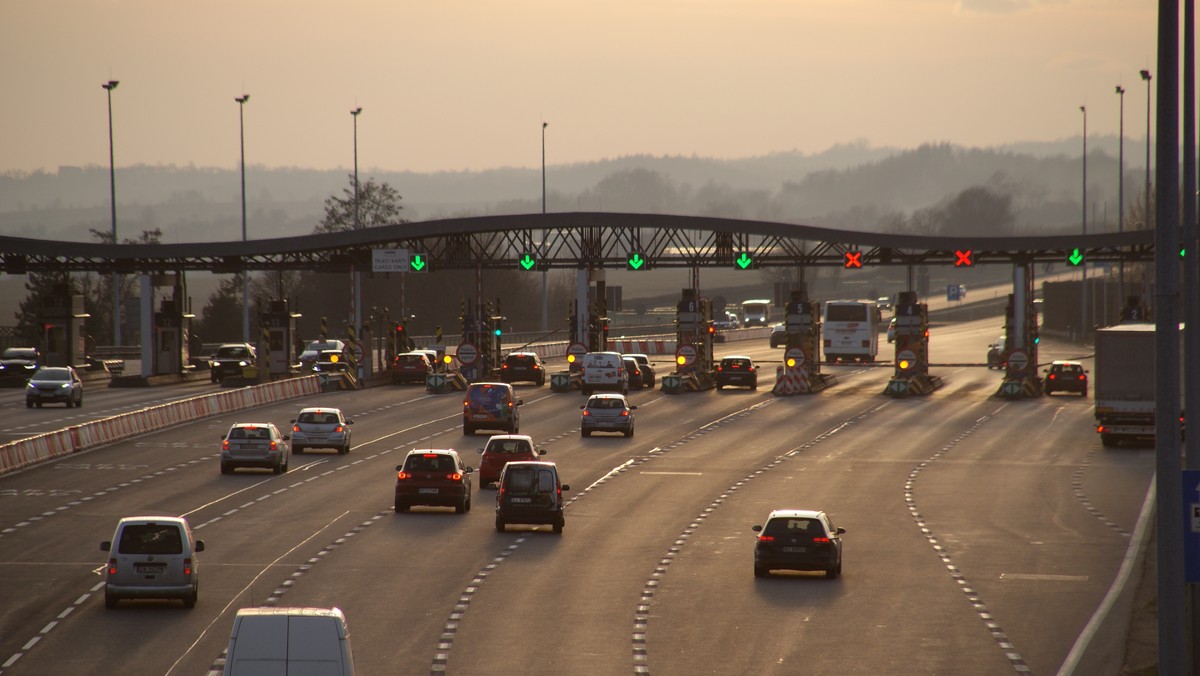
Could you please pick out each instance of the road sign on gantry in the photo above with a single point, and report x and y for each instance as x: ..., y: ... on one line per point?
x: 636, y: 261
x: 962, y: 259
x: 418, y: 262
x: 743, y: 262
x: 527, y: 261
x: 852, y: 259
x: 467, y: 353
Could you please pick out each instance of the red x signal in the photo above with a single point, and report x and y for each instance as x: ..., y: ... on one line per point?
x: 853, y: 259
x: 963, y: 259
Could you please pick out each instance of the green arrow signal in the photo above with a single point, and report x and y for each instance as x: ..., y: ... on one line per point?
x: 744, y: 260
x: 528, y: 262
x: 1075, y: 258
x: 636, y: 261
x: 416, y: 263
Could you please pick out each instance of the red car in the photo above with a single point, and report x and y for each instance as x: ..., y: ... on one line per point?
x: 411, y: 367
x: 502, y: 449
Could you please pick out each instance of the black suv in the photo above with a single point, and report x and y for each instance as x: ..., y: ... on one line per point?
x: 435, y: 477
x: 19, y: 363
x: 1066, y: 376
x: 230, y: 359
x: 523, y: 367
x: 530, y: 492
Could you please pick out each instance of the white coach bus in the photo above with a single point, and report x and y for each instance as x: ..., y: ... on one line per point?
x: 851, y: 330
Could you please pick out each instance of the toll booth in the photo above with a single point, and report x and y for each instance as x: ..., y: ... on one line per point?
x: 63, y: 337
x: 276, y: 344
x: 172, y: 328
x: 694, y: 333
x: 912, y: 349
x: 801, y: 369
x: 1021, y: 376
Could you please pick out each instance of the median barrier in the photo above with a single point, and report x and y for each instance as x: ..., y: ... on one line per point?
x: 26, y: 452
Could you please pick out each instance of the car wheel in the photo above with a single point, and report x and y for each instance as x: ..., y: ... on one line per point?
x: 586, y: 391
x: 629, y: 433
x: 499, y: 525
x: 277, y: 469
x: 760, y: 572
x: 400, y: 507
x: 39, y: 404
x: 719, y: 387
x: 754, y: 387
x: 558, y: 525
x: 110, y: 601
x: 1049, y: 391
x: 1084, y: 393
x: 651, y: 383
x: 79, y: 402
x: 345, y: 450
x: 226, y: 469
x: 541, y: 381
x: 461, y: 507
x: 189, y: 601
x: 468, y: 430
x: 834, y: 570
x: 297, y: 450
x: 585, y: 433
x: 468, y: 500
x: 28, y: 403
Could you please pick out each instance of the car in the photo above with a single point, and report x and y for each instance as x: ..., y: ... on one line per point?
x: 491, y: 406
x: 778, y: 335
x: 502, y: 449
x: 203, y: 358
x: 434, y: 477
x: 152, y: 557
x: 997, y: 357
x: 431, y: 354
x: 229, y: 360
x: 891, y: 331
x: 884, y: 302
x: 530, y: 492
x: 411, y: 367
x: 320, y: 427
x: 295, y: 640
x: 254, y: 445
x: 19, y: 363
x: 332, y: 361
x: 726, y: 320
x: 634, y: 371
x: 308, y: 357
x: 1065, y: 376
x: 737, y: 371
x: 523, y: 367
x: 798, y: 539
x: 54, y: 384
x: 645, y: 366
x: 606, y: 413
x: 603, y: 371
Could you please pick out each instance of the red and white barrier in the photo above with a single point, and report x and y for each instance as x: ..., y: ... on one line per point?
x: 30, y: 451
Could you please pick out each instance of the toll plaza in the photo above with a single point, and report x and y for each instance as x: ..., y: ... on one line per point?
x: 912, y: 349
x: 277, y: 339
x: 1021, y: 378
x: 63, y: 338
x: 172, y: 328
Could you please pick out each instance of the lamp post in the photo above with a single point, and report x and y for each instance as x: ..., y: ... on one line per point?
x: 545, y: 299
x: 1121, y: 197
x: 1147, y: 77
x: 1083, y: 265
x: 245, y: 276
x: 112, y: 186
x: 356, y: 113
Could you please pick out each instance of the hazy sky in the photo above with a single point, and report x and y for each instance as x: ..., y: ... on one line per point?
x: 465, y: 84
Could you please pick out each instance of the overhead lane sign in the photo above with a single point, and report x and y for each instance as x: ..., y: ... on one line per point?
x: 636, y: 261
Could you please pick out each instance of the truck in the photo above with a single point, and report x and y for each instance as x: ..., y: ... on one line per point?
x: 1124, y: 382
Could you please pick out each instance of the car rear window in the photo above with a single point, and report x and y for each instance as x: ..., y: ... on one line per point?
x: 509, y: 446
x: 487, y: 395
x: 410, y: 359
x: 151, y: 538
x: 1070, y: 369
x: 249, y: 433
x: 528, y: 480
x: 318, y: 418
x: 737, y: 363
x: 430, y: 462
x: 520, y: 360
x: 606, y: 403
x: 793, y: 526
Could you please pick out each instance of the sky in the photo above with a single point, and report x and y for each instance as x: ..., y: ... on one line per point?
x: 456, y: 85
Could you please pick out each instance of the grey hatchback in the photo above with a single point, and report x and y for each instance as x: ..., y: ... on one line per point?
x: 254, y: 445
x: 606, y: 413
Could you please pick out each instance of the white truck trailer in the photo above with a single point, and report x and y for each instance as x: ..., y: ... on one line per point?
x: 1124, y: 383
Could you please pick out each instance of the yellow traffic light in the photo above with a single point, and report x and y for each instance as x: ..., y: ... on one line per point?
x: 680, y: 360
x: 447, y: 358
x: 791, y: 362
x: 904, y: 364
x: 570, y: 359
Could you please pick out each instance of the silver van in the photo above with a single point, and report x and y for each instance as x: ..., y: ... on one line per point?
x: 269, y: 641
x: 152, y: 557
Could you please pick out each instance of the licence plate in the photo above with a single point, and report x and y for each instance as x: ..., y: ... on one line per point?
x: 522, y: 500
x: 794, y: 550
x: 149, y: 567
x: 428, y: 490
x: 480, y: 416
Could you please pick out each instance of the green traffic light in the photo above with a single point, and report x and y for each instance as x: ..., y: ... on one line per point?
x: 1075, y: 258
x: 498, y: 332
x: 635, y: 261
x: 743, y: 261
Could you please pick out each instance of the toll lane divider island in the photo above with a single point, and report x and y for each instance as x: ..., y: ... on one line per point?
x: 26, y: 452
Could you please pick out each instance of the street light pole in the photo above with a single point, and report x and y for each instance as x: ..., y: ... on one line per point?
x: 1121, y: 197
x: 355, y: 113
x: 356, y: 275
x: 545, y: 298
x: 245, y: 274
x: 1149, y: 215
x: 1083, y: 289
x: 112, y: 186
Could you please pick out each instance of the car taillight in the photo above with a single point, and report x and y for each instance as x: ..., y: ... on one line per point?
x: 187, y: 566
x: 112, y: 566
x: 821, y: 540
x: 503, y: 366
x: 1083, y: 377
x: 536, y: 367
x: 720, y: 368
x: 454, y: 477
x: 625, y: 413
x: 510, y: 404
x: 273, y: 447
x: 766, y: 538
x: 295, y: 428
x: 585, y: 412
x: 225, y: 445
x: 337, y: 429
x: 402, y: 476
x: 1051, y: 377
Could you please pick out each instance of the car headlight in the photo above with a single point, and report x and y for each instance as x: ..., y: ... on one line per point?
x: 243, y: 363
x: 30, y: 367
x: 65, y: 385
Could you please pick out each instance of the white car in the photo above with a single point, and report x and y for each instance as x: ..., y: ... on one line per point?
x: 321, y: 428
x: 891, y: 331
x: 603, y: 371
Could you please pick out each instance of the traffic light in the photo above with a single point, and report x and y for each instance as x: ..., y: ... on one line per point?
x: 527, y: 262
x: 418, y: 262
x: 963, y: 259
x: 636, y: 261
x: 1075, y: 258
x: 852, y: 259
x: 743, y: 262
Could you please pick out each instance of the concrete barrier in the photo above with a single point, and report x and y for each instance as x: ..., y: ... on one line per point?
x: 25, y: 452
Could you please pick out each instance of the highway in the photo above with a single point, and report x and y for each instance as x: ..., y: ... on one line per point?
x: 982, y: 534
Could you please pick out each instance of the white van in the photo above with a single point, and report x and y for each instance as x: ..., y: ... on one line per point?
x: 603, y: 371
x: 152, y: 557
x: 269, y: 641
